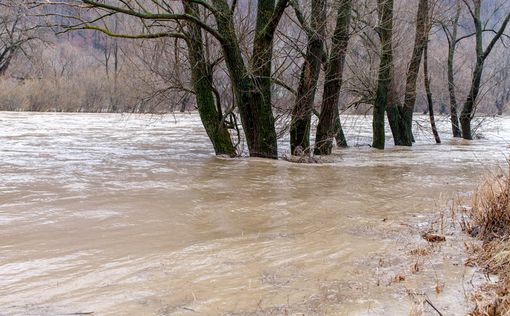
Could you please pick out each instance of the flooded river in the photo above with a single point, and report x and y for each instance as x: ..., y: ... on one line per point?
x: 133, y: 215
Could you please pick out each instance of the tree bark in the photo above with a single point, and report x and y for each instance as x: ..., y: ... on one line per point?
x: 481, y: 55
x: 310, y: 70
x: 385, y: 29
x: 252, y: 89
x: 251, y: 85
x: 5, y: 62
x: 429, y: 92
x: 394, y: 111
x: 452, y: 44
x: 340, y: 139
x: 412, y: 72
x: 201, y: 77
x: 329, y: 127
x: 469, y: 105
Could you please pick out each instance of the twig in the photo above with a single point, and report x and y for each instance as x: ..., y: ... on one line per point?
x: 432, y: 305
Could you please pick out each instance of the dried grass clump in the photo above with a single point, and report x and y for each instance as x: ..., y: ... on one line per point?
x: 490, y: 222
x: 490, y: 213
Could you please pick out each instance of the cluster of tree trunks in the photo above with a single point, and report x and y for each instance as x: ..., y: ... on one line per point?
x: 400, y: 118
x: 251, y: 76
x: 329, y: 127
x: 252, y: 90
x: 469, y: 107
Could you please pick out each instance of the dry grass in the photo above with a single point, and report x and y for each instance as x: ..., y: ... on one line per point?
x: 489, y: 221
x: 490, y: 213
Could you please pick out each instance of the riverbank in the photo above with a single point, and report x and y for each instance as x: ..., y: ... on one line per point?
x: 488, y: 220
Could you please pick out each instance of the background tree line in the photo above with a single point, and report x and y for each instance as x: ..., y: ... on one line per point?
x: 261, y: 68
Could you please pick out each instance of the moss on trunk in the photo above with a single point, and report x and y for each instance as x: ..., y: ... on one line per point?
x: 201, y: 77
x: 329, y: 127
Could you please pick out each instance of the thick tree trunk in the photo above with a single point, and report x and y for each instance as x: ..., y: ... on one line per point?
x: 394, y: 115
x: 252, y: 89
x: 202, y: 84
x: 412, y: 72
x: 469, y: 105
x: 429, y: 92
x: 329, y: 127
x: 310, y: 70
x: 384, y: 80
x: 394, y: 112
x: 454, y: 116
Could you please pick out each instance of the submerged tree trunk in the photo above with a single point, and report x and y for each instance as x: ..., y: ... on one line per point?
x: 469, y: 105
x: 340, y: 139
x: 385, y: 8
x: 251, y: 85
x: 329, y: 127
x: 394, y: 111
x: 201, y: 77
x: 429, y: 92
x: 310, y: 70
x: 252, y: 89
x: 481, y: 55
x: 452, y: 44
x: 412, y: 73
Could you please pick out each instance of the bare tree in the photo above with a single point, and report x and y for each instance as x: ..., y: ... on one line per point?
x: 15, y: 32
x: 385, y: 31
x: 327, y: 128
x: 451, y: 31
x: 302, y: 110
x: 210, y: 111
x: 420, y: 41
x: 481, y: 55
x: 251, y: 81
x: 428, y: 91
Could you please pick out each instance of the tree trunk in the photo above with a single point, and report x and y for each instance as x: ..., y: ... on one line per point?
x: 340, y: 139
x: 5, y: 61
x: 429, y: 92
x: 394, y: 111
x: 481, y: 54
x: 252, y: 89
x: 201, y: 77
x: 454, y: 116
x: 329, y: 127
x: 469, y: 105
x: 412, y: 72
x: 310, y: 70
x: 385, y: 8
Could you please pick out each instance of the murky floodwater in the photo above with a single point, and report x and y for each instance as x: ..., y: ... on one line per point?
x: 133, y: 215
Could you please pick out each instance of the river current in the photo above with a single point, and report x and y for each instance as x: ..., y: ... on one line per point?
x: 133, y: 215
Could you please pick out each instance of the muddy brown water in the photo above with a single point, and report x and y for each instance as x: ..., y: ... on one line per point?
x: 133, y: 215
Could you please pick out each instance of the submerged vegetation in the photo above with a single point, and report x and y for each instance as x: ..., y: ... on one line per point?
x: 257, y: 70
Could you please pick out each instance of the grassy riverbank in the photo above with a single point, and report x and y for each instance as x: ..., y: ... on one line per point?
x: 488, y: 220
